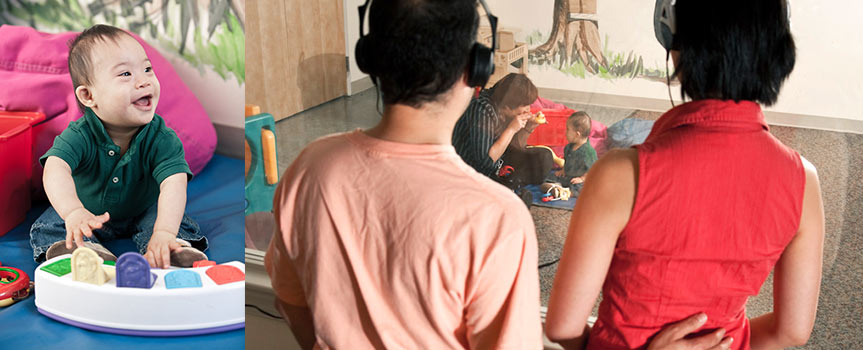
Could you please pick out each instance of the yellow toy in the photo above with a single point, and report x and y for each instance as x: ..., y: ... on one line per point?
x: 557, y: 160
x: 87, y: 267
x: 539, y: 118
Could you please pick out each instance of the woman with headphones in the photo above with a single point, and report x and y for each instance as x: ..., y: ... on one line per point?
x: 697, y: 217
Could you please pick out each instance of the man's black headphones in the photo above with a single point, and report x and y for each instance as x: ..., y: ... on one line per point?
x: 480, y: 65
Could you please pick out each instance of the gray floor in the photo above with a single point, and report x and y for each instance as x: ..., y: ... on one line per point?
x: 340, y: 115
x: 837, y: 156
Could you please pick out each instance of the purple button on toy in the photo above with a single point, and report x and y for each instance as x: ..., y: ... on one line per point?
x: 133, y: 271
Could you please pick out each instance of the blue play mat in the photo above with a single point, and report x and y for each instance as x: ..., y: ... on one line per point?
x: 215, y: 201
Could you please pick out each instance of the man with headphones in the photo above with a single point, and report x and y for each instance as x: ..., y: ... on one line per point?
x: 384, y: 237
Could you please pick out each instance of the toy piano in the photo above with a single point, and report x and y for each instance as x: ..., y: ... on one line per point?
x: 130, y: 298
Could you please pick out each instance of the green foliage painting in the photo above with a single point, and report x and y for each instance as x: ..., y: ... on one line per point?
x: 575, y: 48
x: 206, y: 33
x: 618, y: 65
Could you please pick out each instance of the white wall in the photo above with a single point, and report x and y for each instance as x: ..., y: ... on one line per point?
x: 826, y: 81
x: 223, y: 99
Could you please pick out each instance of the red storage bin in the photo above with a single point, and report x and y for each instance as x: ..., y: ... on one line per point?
x: 16, y: 166
x: 552, y: 133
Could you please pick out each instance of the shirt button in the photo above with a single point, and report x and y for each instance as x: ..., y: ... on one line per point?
x: 115, y: 179
x: 111, y: 153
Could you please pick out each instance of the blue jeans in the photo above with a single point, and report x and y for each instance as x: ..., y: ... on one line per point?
x: 50, y: 228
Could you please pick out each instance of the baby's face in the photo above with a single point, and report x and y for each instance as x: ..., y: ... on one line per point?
x: 572, y: 136
x: 124, y: 88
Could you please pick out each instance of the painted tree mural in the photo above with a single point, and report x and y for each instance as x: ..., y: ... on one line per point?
x: 574, y: 46
x: 574, y: 33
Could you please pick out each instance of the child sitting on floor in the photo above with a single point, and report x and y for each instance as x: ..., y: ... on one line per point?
x: 119, y: 159
x: 578, y: 155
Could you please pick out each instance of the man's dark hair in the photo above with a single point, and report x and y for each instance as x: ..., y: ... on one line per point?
x: 513, y: 91
x: 417, y: 49
x: 580, y: 122
x: 81, y: 53
x: 733, y: 49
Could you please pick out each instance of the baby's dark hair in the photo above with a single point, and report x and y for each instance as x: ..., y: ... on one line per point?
x: 580, y: 122
x: 81, y: 53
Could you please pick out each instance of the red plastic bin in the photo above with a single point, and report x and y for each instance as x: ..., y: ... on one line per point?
x: 16, y: 167
x: 552, y: 133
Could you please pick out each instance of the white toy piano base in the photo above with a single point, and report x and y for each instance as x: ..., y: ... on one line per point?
x: 157, y: 311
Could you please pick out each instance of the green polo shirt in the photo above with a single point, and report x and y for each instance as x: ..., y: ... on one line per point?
x: 578, y: 161
x: 123, y: 186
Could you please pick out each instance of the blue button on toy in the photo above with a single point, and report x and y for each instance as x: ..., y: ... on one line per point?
x: 182, y: 279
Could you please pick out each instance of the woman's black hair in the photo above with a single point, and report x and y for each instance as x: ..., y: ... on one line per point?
x: 734, y: 49
x: 419, y: 48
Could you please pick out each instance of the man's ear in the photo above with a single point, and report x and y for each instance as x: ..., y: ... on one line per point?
x: 464, y: 80
x: 85, y: 96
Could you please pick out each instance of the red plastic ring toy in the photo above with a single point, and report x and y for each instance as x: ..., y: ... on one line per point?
x: 16, y: 286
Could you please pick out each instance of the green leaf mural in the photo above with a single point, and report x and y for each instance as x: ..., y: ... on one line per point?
x: 206, y: 34
x: 620, y: 65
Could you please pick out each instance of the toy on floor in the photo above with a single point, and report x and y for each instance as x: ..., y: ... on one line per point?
x: 16, y: 165
x: 141, y: 300
x: 505, y: 171
x: 262, y: 176
x: 87, y: 267
x: 555, y: 192
x: 134, y: 271
x: 262, y: 172
x: 557, y: 160
x: 14, y: 285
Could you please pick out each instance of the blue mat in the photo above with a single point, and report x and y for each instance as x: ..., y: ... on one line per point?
x: 558, y: 204
x: 623, y: 134
x: 215, y: 201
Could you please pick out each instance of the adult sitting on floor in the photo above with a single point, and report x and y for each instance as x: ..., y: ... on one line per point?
x: 493, y: 131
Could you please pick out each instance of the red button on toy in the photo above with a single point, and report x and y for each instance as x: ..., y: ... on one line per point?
x: 224, y: 274
x: 202, y: 263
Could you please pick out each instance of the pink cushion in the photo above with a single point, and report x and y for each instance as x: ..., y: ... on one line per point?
x: 35, y: 77
x: 598, y: 137
x: 544, y: 103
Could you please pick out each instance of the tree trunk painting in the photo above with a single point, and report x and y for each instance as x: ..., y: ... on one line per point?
x: 572, y: 35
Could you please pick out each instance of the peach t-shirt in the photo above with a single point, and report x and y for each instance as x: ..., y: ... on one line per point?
x: 403, y: 246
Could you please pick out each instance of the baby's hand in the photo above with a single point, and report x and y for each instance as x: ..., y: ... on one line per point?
x: 82, y: 222
x: 559, y: 173
x: 577, y: 180
x: 159, y: 248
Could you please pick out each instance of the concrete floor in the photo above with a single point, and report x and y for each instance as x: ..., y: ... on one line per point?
x: 838, y: 157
